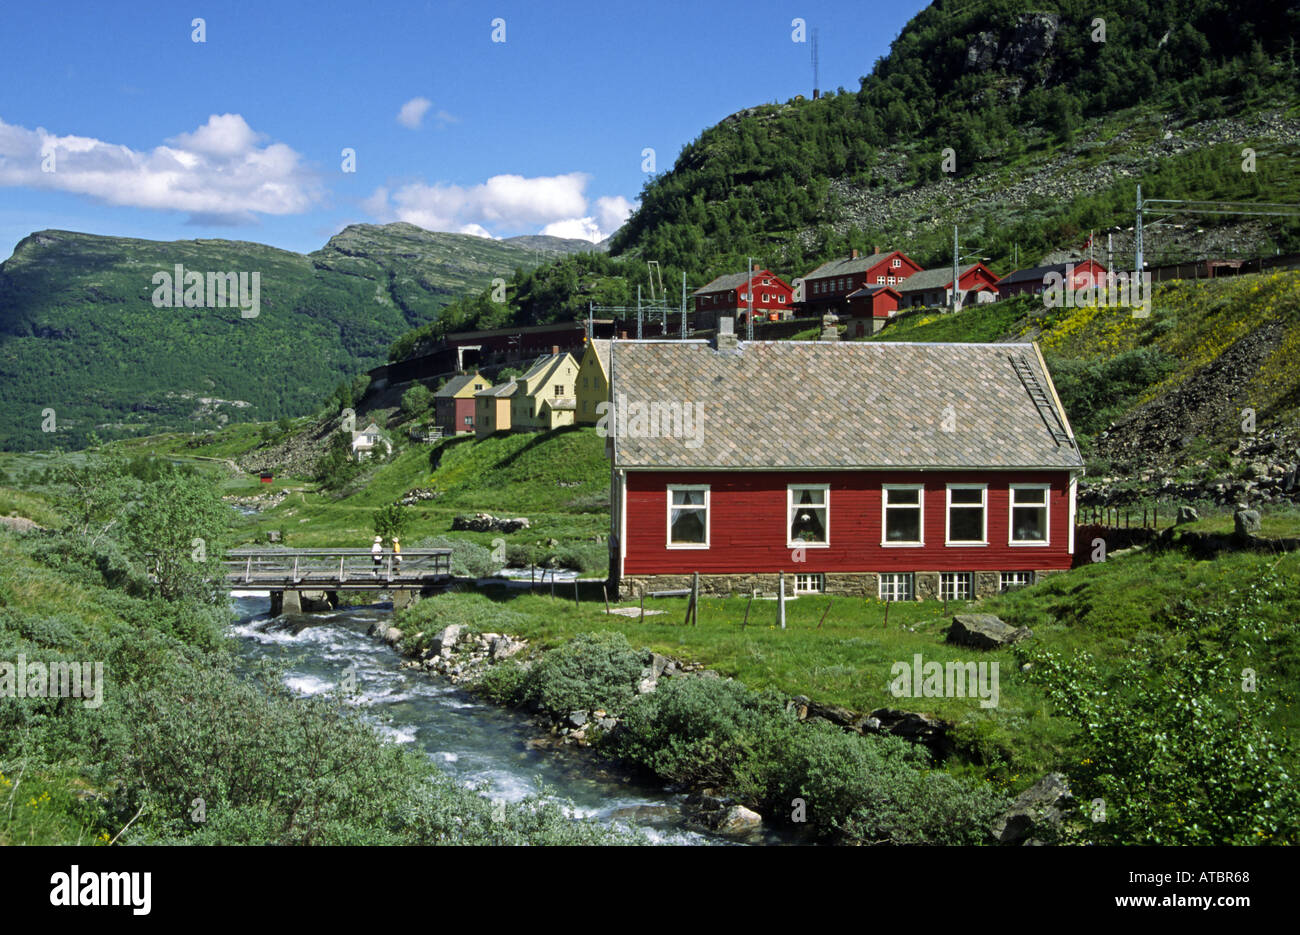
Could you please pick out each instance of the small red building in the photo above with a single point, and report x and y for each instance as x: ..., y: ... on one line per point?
x: 1075, y: 275
x: 829, y: 286
x: 454, y: 403
x: 869, y: 308
x: 932, y: 288
x: 736, y: 295
x: 896, y: 471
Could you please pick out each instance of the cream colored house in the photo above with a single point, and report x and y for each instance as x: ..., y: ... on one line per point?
x: 546, y: 394
x: 492, y: 408
x: 593, y: 381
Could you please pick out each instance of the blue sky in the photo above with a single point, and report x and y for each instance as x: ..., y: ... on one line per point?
x: 113, y: 120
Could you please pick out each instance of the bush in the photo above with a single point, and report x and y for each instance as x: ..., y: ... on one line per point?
x: 503, y: 683
x: 700, y: 730
x: 879, y: 790
x: 417, y: 400
x: 590, y: 671
x: 467, y: 558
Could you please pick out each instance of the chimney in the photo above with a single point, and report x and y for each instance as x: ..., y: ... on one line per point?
x: 829, y: 330
x: 853, y: 254
x: 622, y: 335
x: 726, y: 337
x: 555, y: 350
x: 875, y: 248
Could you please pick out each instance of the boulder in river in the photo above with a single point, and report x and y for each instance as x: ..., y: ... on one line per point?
x: 739, y: 820
x: 445, y: 640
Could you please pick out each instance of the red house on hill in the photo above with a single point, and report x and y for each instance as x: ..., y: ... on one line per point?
x: 893, y: 470
x: 829, y: 286
x: 1086, y: 273
x: 735, y: 294
x: 932, y: 288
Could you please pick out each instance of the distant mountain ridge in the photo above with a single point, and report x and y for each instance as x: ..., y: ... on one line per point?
x: 81, y: 336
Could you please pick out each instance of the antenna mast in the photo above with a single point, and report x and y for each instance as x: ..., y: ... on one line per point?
x: 816, y: 76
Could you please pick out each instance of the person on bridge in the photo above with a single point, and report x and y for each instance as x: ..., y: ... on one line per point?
x: 377, y: 553
x: 397, y: 553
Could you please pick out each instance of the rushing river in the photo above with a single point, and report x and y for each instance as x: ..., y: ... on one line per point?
x: 475, y: 741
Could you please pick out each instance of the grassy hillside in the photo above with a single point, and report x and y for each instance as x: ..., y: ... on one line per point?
x: 79, y: 333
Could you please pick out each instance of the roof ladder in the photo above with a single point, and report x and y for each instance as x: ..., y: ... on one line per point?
x: 1046, y: 408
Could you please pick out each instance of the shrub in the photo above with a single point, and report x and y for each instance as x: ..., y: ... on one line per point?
x: 417, y: 400
x: 503, y: 683
x: 879, y: 790
x: 592, y: 670
x: 467, y: 558
x: 699, y: 730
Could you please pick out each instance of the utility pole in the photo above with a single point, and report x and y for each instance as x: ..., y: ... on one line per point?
x: 683, y: 305
x: 638, y: 313
x: 955, y: 300
x: 749, y: 319
x: 1137, y: 235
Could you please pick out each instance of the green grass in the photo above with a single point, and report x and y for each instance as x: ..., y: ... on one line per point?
x: 30, y: 505
x: 975, y: 323
x: 1104, y: 609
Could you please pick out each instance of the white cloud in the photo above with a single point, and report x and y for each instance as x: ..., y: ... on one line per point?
x: 504, y: 202
x: 574, y: 228
x: 413, y: 111
x: 220, y: 173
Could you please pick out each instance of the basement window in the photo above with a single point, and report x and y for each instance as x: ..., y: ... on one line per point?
x: 809, y: 583
x: 808, y: 514
x: 1029, y: 514
x: 956, y: 585
x: 688, y: 517
x: 1012, y: 580
x: 896, y: 586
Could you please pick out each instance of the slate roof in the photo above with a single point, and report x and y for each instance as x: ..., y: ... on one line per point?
x: 601, y: 347
x: 1039, y: 272
x: 456, y: 384
x: 846, y: 266
x: 501, y: 390
x: 940, y: 278
x: 729, y: 281
x: 836, y: 405
x: 867, y: 291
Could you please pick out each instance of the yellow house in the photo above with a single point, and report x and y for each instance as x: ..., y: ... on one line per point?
x: 593, y: 381
x: 492, y: 408
x: 545, y: 398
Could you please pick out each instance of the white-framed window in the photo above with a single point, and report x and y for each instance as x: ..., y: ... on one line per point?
x: 805, y: 583
x: 896, y: 586
x: 1029, y: 512
x: 767, y: 282
x: 956, y: 586
x: 469, y: 420
x: 902, y: 515
x: 688, y: 517
x: 780, y: 299
x: 767, y: 297
x: 808, y: 515
x: 880, y: 280
x: 892, y: 280
x: 896, y: 262
x: 967, y: 520
x: 1011, y: 580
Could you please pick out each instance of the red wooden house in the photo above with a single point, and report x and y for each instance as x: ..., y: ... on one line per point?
x: 932, y: 288
x: 454, y: 403
x: 889, y: 470
x: 869, y: 308
x: 829, y: 286
x: 1086, y: 273
x: 736, y: 295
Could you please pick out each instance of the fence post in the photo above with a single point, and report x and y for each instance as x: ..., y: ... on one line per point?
x: 825, y: 612
x: 695, y: 599
x: 575, y: 588
x: 605, y: 590
x: 885, y: 625
x: 780, y: 600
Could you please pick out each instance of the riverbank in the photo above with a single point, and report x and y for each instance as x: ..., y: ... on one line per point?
x: 749, y: 760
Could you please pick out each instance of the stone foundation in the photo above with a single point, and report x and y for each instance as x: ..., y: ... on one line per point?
x: 864, y: 584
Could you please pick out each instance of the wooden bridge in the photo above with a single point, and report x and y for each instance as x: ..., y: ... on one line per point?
x: 298, y: 577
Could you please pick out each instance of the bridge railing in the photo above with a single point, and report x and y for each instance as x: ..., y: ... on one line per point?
x: 334, y: 566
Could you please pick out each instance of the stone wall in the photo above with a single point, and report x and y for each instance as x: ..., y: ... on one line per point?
x: 865, y: 584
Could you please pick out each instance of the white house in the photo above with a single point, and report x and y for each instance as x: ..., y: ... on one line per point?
x: 368, y: 440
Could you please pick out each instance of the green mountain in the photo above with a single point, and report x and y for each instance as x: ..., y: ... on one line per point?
x: 81, y: 335
x: 1026, y: 129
